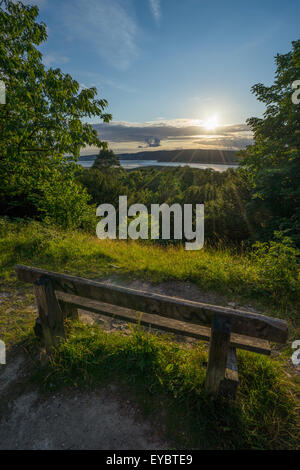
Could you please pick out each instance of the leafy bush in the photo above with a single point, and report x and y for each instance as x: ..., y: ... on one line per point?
x: 278, y: 264
x: 65, y: 203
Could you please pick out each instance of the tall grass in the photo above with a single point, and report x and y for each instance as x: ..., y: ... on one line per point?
x: 221, y: 269
x: 168, y: 379
x: 162, y: 374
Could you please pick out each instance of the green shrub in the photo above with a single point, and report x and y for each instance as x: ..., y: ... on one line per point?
x: 278, y: 265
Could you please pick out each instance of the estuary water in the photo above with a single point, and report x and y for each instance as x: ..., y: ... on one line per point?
x: 131, y: 164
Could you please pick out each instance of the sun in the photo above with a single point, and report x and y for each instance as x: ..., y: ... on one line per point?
x: 211, y: 123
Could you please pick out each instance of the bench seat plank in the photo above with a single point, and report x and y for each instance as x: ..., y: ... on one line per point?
x: 156, y: 321
x: 243, y: 323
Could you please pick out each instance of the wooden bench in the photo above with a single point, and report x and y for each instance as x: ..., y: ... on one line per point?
x: 60, y: 296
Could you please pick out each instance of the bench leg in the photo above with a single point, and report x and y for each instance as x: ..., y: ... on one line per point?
x: 69, y: 310
x: 38, y: 329
x: 229, y: 385
x: 50, y: 314
x: 218, y: 353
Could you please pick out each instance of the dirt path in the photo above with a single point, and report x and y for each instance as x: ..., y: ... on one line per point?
x: 100, y: 419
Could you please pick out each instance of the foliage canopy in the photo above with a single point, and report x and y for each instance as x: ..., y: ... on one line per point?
x: 273, y: 161
x: 41, y: 123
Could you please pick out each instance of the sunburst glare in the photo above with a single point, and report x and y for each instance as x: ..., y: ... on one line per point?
x: 211, y: 123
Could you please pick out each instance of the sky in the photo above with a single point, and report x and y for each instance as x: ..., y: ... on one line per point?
x: 176, y: 73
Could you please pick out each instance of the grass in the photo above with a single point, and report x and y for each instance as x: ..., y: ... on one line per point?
x: 162, y: 374
x: 17, y: 313
x: 220, y: 269
x: 169, y: 377
x: 234, y: 275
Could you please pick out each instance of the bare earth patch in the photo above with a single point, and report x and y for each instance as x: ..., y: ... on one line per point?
x: 100, y: 419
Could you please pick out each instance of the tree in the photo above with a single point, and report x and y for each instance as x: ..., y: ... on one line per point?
x: 106, y: 159
x: 41, y: 122
x: 273, y: 161
x: 102, y: 186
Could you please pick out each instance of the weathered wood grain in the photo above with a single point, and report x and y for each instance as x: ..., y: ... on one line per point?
x: 229, y: 386
x: 50, y: 314
x: 68, y: 309
x: 156, y: 321
x: 244, y: 323
x: 218, y: 352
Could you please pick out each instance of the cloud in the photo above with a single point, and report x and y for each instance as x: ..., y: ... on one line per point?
x: 183, y: 133
x: 152, y: 141
x: 97, y: 80
x: 55, y: 59
x: 155, y: 8
x: 104, y: 26
x: 39, y: 3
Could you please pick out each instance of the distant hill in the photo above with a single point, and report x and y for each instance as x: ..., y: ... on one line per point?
x: 188, y: 155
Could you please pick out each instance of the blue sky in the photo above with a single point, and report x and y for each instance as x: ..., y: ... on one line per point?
x: 171, y: 64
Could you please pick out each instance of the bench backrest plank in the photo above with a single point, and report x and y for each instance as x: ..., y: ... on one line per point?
x: 159, y: 322
x: 244, y: 323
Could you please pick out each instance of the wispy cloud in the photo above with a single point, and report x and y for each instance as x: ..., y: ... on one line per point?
x: 156, y: 10
x: 106, y: 27
x: 93, y: 79
x: 55, y: 59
